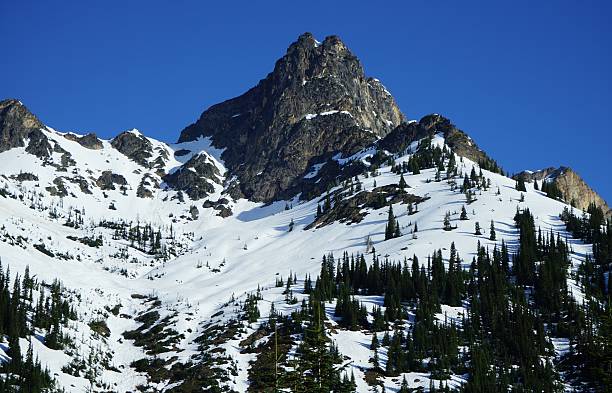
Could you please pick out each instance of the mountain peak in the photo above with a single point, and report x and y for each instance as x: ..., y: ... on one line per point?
x: 274, y: 132
x: 9, y: 102
x: 308, y: 41
x: 305, y: 40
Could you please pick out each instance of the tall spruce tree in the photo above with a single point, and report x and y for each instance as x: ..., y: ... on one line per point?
x: 390, y: 227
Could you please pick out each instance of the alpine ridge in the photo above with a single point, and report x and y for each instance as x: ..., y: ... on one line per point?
x: 571, y: 186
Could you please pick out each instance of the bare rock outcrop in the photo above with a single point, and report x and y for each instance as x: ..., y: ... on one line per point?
x: 315, y: 103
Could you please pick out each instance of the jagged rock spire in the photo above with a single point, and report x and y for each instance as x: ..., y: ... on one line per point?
x: 315, y: 103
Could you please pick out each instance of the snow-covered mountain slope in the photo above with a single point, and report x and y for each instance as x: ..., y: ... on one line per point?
x: 300, y: 237
x: 210, y: 262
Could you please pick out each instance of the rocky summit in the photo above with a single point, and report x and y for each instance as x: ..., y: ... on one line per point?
x: 317, y: 102
x: 18, y: 124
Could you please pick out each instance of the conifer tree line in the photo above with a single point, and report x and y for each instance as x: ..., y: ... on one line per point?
x: 316, y: 366
x: 551, y: 190
x: 591, y: 335
x: 21, y: 312
x: 144, y: 237
x: 513, y: 304
x: 427, y: 156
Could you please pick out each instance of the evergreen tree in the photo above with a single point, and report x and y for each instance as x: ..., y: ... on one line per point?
x: 374, y: 348
x: 397, y: 232
x: 447, y: 222
x: 402, y: 183
x: 520, y: 184
x: 390, y: 227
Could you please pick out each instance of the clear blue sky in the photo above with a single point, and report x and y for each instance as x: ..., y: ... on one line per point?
x: 530, y: 81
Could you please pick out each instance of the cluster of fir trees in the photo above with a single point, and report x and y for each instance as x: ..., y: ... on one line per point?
x: 250, y: 308
x: 502, y: 327
x: 327, y: 203
x: 520, y: 184
x: 352, y: 185
x: 490, y: 165
x: 474, y: 181
x: 77, y: 220
x: 593, y: 228
x: 551, y: 189
x: 590, y: 332
x: 427, y: 156
x: 316, y: 365
x: 542, y: 262
x: 541, y: 267
x: 398, y: 283
x: 20, y: 315
x: 142, y: 237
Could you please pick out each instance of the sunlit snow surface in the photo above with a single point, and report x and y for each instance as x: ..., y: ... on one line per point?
x: 248, y: 249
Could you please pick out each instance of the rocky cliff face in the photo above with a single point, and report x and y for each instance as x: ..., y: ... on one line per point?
x: 574, y: 189
x: 18, y: 125
x: 89, y: 141
x: 196, y: 177
x: 134, y: 146
x: 316, y: 102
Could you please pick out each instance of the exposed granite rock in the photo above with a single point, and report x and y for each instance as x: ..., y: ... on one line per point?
x: 573, y: 187
x: 17, y: 124
x: 220, y: 206
x: 108, y: 179
x: 402, y: 136
x: 159, y: 164
x: 89, y: 141
x: 223, y: 211
x: 81, y: 182
x: 25, y: 176
x: 38, y: 144
x: 194, y: 212
x: 195, y: 177
x: 316, y: 102
x: 59, y: 189
x: 135, y: 146
x: 66, y: 159
x: 143, y: 190
x: 529, y: 176
x: 208, y: 203
x: 351, y: 209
